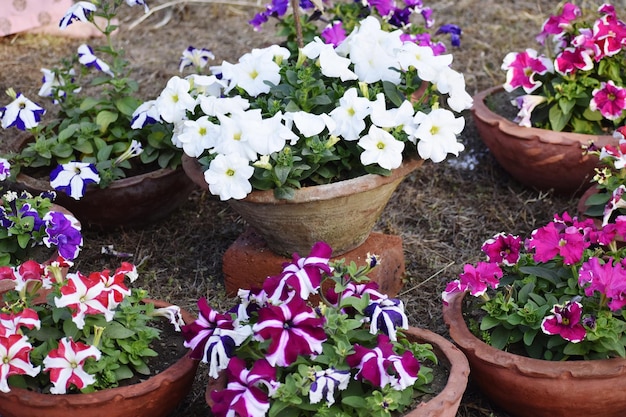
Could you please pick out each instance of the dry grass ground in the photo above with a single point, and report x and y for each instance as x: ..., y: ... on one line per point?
x: 443, y: 212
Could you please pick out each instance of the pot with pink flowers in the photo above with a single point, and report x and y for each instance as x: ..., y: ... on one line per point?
x: 568, y: 93
x: 543, y: 318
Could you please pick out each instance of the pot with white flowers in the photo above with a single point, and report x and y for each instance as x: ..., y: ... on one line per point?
x: 281, y: 133
x: 70, y: 342
x: 109, y: 167
x: 543, y: 325
x: 320, y: 338
x: 568, y: 100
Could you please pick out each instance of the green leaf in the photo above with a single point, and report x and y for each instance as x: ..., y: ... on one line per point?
x: 22, y: 240
x: 488, y: 322
x: 392, y: 93
x: 354, y: 401
x: 500, y: 337
x: 126, y: 105
x: 68, y: 132
x: 116, y: 330
x: 558, y: 119
x: 105, y: 118
x: 88, y: 103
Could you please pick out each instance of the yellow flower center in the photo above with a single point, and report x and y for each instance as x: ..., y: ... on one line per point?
x: 230, y: 172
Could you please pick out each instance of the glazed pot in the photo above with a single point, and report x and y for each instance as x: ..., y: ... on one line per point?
x: 444, y: 404
x: 538, y: 158
x: 157, y: 396
x: 525, y: 387
x: 341, y: 214
x: 134, y: 201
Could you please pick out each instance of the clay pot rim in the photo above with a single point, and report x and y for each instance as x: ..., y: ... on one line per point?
x: 453, y: 317
x: 121, y: 183
x: 481, y: 111
x: 166, y: 377
x: 459, y: 367
x: 339, y: 188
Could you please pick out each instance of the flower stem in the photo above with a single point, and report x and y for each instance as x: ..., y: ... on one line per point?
x: 295, y: 6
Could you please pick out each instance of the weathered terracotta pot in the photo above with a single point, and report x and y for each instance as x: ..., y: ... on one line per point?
x: 538, y: 158
x: 133, y: 201
x: 341, y: 214
x: 444, y: 404
x: 157, y: 396
x: 525, y: 387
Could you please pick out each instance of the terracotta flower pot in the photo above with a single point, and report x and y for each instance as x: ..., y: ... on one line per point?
x: 157, y: 396
x: 133, y: 201
x: 341, y: 214
x: 526, y: 387
x: 444, y: 404
x: 538, y: 158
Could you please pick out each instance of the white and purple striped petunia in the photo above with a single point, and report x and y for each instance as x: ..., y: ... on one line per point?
x: 21, y: 113
x: 326, y: 382
x: 195, y: 57
x: 5, y: 169
x: 73, y: 177
x: 386, y: 315
x: 146, y: 114
x: 132, y: 3
x: 79, y: 11
x: 88, y: 59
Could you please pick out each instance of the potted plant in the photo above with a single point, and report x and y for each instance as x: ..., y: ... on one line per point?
x: 320, y: 338
x: 69, y: 341
x: 28, y: 224
x: 568, y: 97
x: 87, y: 149
x: 545, y: 319
x: 280, y: 131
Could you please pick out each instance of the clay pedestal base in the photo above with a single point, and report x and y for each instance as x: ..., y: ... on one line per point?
x: 248, y: 261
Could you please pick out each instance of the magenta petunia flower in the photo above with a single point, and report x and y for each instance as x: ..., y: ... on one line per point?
x: 478, y: 279
x: 555, y: 24
x: 550, y: 241
x: 607, y: 278
x: 565, y: 322
x: 247, y: 392
x: 304, y: 275
x: 609, y: 35
x: 292, y: 328
x: 452, y: 288
x: 571, y: 60
x: 381, y: 366
x: 609, y: 100
x: 503, y: 249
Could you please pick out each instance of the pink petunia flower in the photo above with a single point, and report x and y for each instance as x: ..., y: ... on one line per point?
x: 521, y: 69
x: 609, y: 100
x: 555, y: 24
x: 550, y: 241
x: 477, y: 279
x: 607, y: 278
x: 565, y: 322
x: 571, y: 60
x: 65, y: 365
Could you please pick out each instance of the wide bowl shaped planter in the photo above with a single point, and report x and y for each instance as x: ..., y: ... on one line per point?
x: 444, y: 404
x: 525, y: 387
x: 341, y: 214
x: 157, y: 396
x: 134, y: 201
x: 538, y: 158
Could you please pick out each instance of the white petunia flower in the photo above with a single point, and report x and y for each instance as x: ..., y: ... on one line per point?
x: 197, y: 136
x: 228, y: 176
x: 380, y: 147
x: 175, y: 100
x: 435, y: 134
x: 350, y: 115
